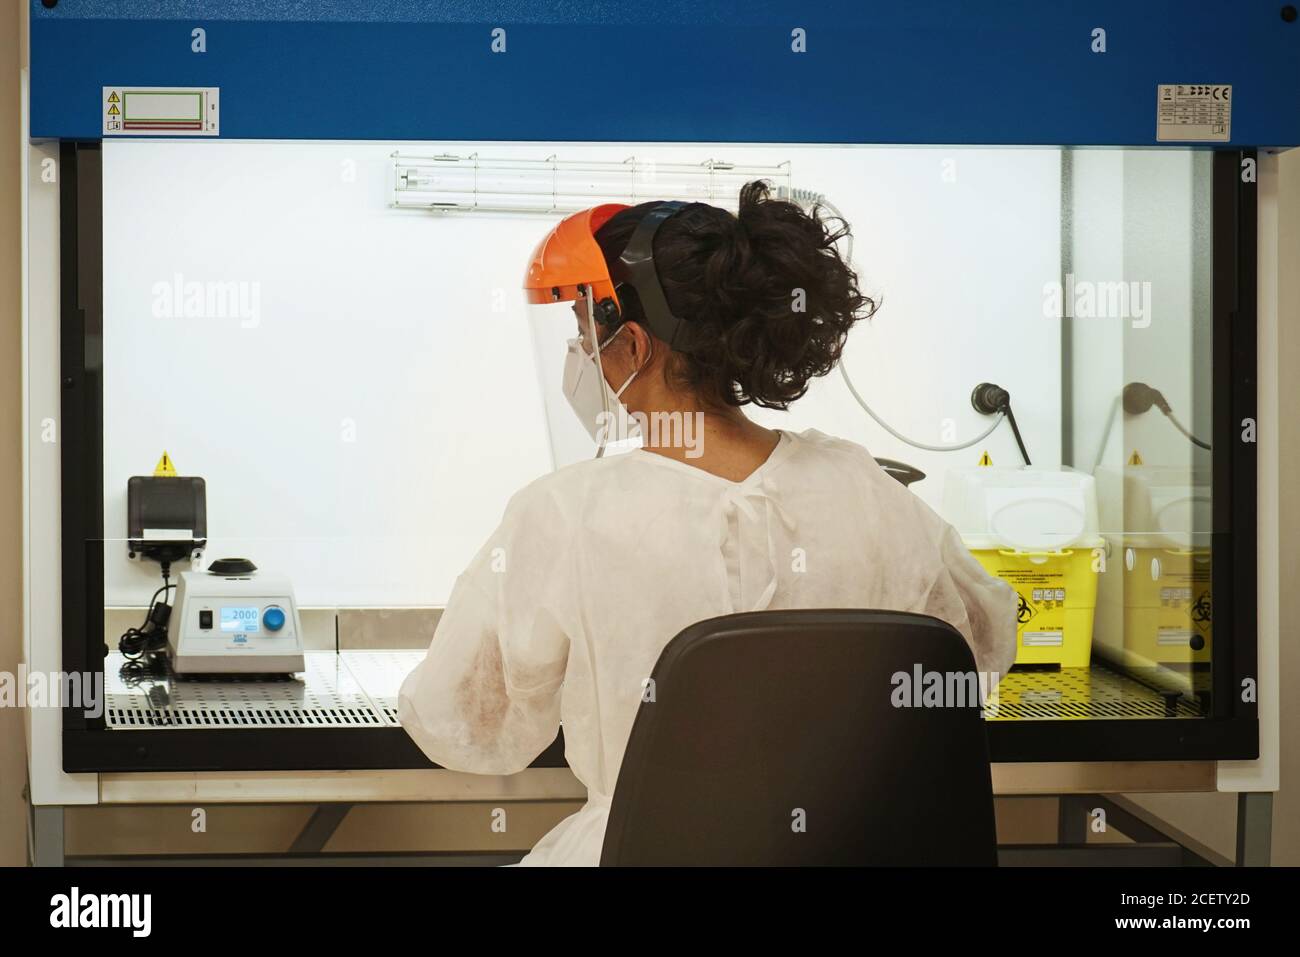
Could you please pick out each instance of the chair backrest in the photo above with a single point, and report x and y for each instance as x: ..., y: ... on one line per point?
x: 776, y: 738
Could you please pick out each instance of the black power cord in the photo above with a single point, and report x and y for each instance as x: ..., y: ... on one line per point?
x: 145, y: 647
x: 988, y: 399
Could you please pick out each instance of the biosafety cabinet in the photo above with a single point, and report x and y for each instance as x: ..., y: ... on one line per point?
x: 285, y: 249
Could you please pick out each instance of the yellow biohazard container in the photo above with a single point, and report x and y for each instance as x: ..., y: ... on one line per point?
x: 1057, y: 600
x: 1036, y: 530
x: 1167, y: 606
x: 1162, y: 514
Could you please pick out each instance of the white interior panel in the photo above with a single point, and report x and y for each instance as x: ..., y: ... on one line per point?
x: 360, y: 387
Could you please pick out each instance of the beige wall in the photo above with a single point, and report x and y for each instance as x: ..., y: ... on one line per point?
x: 1209, y: 818
x: 13, y: 771
x: 1286, y: 806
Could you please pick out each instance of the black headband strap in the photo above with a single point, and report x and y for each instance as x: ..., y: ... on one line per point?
x: 639, y: 265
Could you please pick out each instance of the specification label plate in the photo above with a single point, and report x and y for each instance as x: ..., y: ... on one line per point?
x: 1193, y: 112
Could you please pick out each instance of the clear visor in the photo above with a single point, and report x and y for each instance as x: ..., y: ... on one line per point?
x: 584, y: 419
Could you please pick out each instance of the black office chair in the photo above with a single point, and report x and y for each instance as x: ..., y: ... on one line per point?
x: 772, y: 740
x: 904, y: 473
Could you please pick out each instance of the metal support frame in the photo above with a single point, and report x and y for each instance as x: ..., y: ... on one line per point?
x: 1167, y: 854
x: 46, y: 836
x: 1155, y: 842
x: 46, y: 848
x: 1254, y: 829
x: 316, y: 833
x: 1072, y: 819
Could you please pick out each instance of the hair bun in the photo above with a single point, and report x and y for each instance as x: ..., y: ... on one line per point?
x: 768, y: 298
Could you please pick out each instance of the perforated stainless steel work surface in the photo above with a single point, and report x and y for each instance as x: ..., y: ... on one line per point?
x: 358, y: 689
x: 381, y: 674
x: 1097, y: 692
x: 326, y: 695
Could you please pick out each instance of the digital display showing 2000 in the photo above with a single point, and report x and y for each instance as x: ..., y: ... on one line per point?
x: 239, y: 619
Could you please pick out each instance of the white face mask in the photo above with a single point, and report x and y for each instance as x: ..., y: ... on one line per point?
x: 596, y: 404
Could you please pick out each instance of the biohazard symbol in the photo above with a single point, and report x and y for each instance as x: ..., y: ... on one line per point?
x: 1024, y: 611
x: 1202, y: 611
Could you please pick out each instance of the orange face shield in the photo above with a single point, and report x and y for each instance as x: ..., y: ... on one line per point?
x: 567, y: 266
x: 569, y: 257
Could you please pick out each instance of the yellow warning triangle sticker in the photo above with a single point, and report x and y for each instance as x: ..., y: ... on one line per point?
x: 113, y: 111
x: 165, y: 467
x: 985, y: 459
x: 113, y: 98
x: 1135, y: 459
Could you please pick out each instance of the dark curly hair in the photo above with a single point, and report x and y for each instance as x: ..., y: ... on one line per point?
x: 766, y: 297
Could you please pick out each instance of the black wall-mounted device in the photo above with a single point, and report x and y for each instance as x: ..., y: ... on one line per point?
x: 167, y: 504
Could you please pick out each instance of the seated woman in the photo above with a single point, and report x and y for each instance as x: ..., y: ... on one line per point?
x: 685, y: 310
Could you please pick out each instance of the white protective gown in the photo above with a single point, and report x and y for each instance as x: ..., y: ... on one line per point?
x: 596, y: 567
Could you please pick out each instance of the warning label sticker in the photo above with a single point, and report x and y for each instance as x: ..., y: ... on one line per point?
x: 1193, y: 112
x: 161, y: 111
x: 1043, y: 639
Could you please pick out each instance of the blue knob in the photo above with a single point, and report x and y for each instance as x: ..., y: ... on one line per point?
x: 273, y: 618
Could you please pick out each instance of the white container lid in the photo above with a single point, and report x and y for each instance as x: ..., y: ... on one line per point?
x: 1032, y: 509
x: 1163, y: 506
